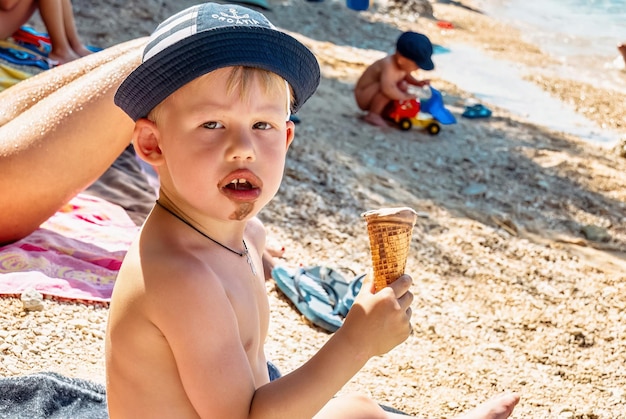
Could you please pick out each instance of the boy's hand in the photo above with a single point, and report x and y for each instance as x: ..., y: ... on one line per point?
x: 377, y: 322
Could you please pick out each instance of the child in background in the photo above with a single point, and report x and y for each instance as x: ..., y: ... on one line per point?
x: 389, y: 78
x: 58, y: 17
x: 189, y: 314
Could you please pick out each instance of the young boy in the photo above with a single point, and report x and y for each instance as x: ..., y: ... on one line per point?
x: 189, y: 313
x: 388, y: 78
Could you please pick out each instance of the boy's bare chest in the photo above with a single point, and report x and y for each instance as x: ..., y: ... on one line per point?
x: 251, y: 307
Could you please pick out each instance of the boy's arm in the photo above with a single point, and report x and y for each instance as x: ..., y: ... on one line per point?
x: 415, y: 82
x: 197, y: 319
x: 390, y: 77
x: 375, y: 324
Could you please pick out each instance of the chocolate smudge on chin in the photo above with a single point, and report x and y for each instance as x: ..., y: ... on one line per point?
x: 242, y: 212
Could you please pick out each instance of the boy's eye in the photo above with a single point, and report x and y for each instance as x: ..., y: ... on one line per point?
x: 262, y: 125
x: 212, y: 125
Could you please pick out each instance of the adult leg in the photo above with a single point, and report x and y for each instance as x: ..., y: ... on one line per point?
x: 54, y: 17
x: 15, y: 14
x: 70, y: 30
x: 22, y: 96
x: 64, y: 142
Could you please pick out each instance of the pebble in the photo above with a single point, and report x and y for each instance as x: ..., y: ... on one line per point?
x: 32, y: 300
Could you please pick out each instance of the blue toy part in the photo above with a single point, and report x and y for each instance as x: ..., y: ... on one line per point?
x: 440, y: 49
x: 476, y: 111
x: 434, y: 106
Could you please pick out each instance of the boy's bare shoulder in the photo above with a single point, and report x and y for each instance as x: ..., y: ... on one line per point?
x: 378, y: 65
x: 164, y: 289
x: 160, y: 271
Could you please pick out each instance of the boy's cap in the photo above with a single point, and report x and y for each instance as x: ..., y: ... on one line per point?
x: 416, y: 47
x: 209, y: 36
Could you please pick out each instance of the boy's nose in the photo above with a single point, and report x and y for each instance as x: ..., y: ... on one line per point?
x: 241, y: 147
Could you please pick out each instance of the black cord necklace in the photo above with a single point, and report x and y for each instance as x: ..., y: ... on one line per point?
x: 240, y: 254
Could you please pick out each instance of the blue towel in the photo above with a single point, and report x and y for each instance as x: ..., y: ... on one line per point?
x: 51, y: 395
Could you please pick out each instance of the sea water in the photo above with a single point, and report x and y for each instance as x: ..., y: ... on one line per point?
x: 568, y: 28
x: 582, y: 35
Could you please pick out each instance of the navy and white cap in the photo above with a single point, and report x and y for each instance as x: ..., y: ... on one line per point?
x: 416, y: 47
x: 209, y: 36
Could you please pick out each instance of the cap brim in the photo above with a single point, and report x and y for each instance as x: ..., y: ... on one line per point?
x: 427, y: 64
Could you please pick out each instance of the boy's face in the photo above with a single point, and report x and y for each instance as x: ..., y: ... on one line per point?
x: 223, y: 152
x: 406, y: 64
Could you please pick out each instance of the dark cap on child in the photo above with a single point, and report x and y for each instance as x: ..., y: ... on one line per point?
x: 416, y: 47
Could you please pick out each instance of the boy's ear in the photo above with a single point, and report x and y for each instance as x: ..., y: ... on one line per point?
x: 291, y: 128
x: 146, y: 139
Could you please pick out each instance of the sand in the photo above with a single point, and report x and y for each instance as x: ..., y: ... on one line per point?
x: 518, y: 255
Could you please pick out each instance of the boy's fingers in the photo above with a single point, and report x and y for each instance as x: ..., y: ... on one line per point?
x: 406, y: 300
x: 401, y: 285
x: 368, y: 284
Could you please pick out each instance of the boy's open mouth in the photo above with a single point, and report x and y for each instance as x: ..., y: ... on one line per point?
x: 239, y: 185
x: 242, y: 186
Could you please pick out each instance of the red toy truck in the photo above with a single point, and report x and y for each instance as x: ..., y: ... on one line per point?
x: 406, y: 114
x: 428, y: 114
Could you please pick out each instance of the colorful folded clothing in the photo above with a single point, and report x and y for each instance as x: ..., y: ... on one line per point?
x: 14, y: 53
x: 38, y: 42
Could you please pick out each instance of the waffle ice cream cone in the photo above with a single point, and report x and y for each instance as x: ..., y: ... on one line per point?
x: 390, y: 231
